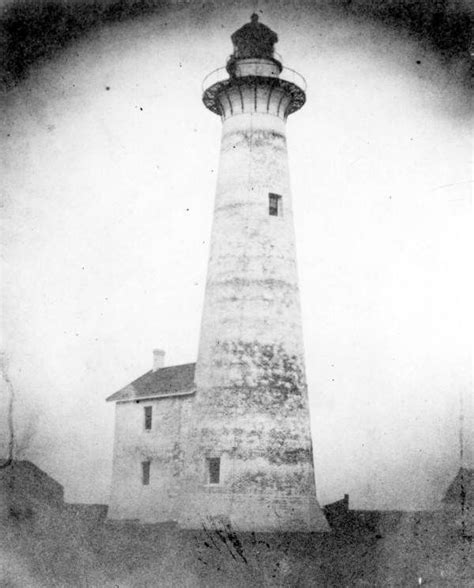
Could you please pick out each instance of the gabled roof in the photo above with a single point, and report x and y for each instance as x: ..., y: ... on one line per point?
x: 461, y: 489
x: 175, y: 380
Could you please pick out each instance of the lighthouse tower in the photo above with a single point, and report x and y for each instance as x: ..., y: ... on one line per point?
x: 248, y: 455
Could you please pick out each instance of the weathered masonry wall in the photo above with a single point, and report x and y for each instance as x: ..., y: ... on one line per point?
x: 267, y: 478
x: 252, y: 286
x: 162, y: 446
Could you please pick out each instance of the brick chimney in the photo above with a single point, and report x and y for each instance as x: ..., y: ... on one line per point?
x: 158, y: 359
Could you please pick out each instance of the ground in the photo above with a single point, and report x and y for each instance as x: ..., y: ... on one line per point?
x: 64, y: 550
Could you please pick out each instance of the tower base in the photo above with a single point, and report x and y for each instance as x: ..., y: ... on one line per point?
x: 258, y: 513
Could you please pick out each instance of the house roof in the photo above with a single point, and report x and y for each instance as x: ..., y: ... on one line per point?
x: 461, y: 489
x: 175, y: 380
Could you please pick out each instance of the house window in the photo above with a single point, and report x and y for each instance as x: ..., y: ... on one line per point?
x: 274, y: 204
x: 214, y: 469
x: 145, y: 473
x: 148, y: 413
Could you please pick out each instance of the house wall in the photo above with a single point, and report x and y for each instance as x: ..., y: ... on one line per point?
x: 162, y: 446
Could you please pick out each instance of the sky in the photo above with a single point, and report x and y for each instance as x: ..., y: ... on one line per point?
x: 109, y: 172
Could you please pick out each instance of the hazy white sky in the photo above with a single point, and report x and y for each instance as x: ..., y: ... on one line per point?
x: 108, y: 208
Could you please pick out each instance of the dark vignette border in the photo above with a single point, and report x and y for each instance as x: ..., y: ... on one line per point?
x: 32, y: 31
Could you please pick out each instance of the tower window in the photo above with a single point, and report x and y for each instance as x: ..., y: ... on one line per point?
x: 274, y: 204
x: 148, y: 417
x: 145, y: 473
x: 214, y: 469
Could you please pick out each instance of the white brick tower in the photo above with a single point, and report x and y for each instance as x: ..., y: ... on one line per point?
x: 248, y: 452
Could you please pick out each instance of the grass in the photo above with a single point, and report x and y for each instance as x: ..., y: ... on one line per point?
x: 53, y: 548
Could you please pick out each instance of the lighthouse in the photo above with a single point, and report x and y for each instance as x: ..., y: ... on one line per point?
x: 253, y: 422
x: 227, y: 441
